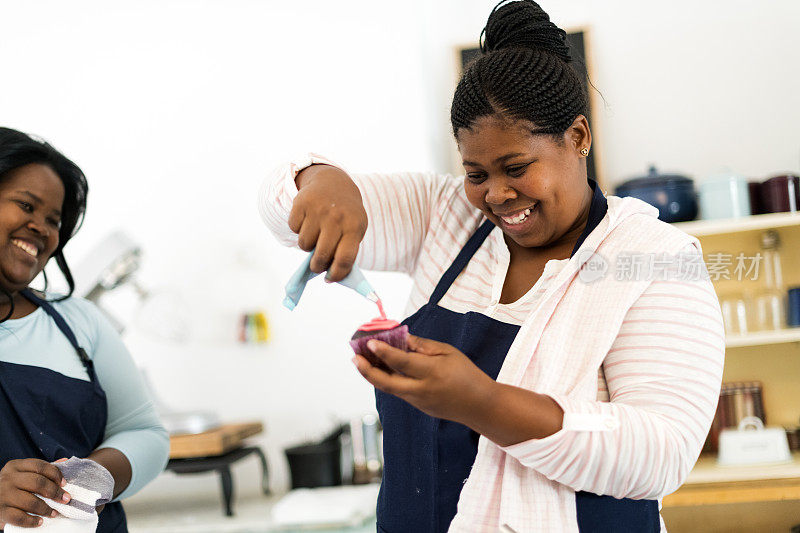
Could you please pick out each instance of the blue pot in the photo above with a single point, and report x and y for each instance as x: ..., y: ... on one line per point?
x: 673, y: 195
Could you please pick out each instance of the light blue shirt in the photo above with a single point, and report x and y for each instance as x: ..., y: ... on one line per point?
x: 133, y: 426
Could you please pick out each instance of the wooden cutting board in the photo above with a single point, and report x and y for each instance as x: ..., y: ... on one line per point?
x: 214, y: 442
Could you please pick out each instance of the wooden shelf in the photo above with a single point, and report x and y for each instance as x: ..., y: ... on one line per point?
x: 703, y: 228
x: 761, y: 338
x: 710, y: 484
x: 708, y: 471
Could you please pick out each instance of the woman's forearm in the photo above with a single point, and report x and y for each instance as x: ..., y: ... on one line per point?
x: 510, y: 415
x: 117, y: 464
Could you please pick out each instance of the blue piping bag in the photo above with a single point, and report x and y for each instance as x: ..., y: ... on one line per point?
x: 297, y: 283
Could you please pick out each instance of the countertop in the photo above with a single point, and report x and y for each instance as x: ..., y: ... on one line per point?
x: 203, y: 514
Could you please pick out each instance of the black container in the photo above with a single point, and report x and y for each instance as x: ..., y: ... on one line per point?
x: 756, y: 207
x: 316, y: 465
x: 672, y: 194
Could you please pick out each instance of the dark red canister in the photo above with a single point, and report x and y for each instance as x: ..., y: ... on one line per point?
x: 780, y: 194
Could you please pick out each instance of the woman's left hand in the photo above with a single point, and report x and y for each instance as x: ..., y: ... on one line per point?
x: 434, y: 377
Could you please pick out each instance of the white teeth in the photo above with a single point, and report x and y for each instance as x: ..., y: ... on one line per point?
x: 518, y: 218
x: 31, y: 249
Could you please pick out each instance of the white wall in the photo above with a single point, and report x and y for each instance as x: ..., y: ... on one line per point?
x: 689, y: 86
x: 176, y: 109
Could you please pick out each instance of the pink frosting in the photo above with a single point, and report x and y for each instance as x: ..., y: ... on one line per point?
x: 379, y: 324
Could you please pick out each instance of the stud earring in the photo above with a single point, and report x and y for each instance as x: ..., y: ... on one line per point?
x: 584, y: 152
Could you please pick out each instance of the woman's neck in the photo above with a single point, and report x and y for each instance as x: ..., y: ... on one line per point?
x: 22, y: 306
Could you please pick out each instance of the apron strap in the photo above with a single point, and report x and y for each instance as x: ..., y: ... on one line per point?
x: 48, y: 308
x: 461, y: 261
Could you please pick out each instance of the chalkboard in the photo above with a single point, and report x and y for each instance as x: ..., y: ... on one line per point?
x: 577, y: 49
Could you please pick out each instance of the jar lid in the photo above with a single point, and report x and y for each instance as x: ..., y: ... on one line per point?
x: 782, y: 177
x: 654, y: 179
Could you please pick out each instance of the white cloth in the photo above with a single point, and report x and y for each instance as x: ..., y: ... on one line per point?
x: 59, y: 524
x: 89, y: 484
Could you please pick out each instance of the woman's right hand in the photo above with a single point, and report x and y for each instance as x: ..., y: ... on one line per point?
x: 329, y: 217
x: 20, y: 479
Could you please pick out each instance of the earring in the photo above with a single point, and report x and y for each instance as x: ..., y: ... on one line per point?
x: 584, y: 152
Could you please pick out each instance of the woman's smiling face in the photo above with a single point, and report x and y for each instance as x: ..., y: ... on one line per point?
x: 530, y: 185
x: 31, y: 199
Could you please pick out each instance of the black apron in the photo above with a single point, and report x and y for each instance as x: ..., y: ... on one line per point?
x: 47, y: 415
x: 427, y: 460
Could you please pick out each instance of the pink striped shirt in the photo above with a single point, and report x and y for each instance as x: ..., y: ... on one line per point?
x: 636, y: 364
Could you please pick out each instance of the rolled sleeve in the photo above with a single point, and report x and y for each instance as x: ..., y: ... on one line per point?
x: 277, y: 194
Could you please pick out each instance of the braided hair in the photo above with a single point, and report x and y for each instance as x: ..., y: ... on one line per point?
x: 18, y: 149
x: 522, y: 74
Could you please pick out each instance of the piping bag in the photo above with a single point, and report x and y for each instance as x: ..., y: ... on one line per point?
x: 354, y: 280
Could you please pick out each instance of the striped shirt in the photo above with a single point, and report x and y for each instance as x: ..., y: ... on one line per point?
x: 634, y: 361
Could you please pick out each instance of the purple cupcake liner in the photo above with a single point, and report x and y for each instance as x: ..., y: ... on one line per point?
x: 397, y: 337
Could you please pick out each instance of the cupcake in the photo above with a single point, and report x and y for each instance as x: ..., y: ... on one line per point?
x: 382, y: 329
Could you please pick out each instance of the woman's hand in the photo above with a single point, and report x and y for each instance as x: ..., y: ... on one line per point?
x: 442, y: 382
x: 329, y: 217
x: 434, y: 377
x: 20, y: 480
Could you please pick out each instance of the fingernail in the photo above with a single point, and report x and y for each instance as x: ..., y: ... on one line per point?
x: 66, y: 498
x: 63, y: 481
x: 372, y: 344
x: 39, y: 522
x: 53, y: 514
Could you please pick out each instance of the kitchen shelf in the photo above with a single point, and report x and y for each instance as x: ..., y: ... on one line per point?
x: 763, y: 337
x: 711, y: 484
x: 704, y: 228
x: 708, y: 471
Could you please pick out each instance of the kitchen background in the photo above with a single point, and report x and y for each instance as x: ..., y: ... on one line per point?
x: 176, y: 110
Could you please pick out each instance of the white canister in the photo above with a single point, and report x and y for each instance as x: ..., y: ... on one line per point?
x: 724, y: 196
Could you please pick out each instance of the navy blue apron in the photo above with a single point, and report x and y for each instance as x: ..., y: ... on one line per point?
x: 47, y: 415
x: 427, y: 460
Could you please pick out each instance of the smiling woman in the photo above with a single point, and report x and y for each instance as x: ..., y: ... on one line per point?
x: 535, y: 394
x: 68, y: 386
x: 30, y: 163
x: 31, y: 197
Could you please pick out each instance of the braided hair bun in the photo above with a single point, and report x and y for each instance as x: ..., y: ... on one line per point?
x: 523, y: 74
x: 523, y: 24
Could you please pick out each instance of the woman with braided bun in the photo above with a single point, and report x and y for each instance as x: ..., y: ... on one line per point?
x: 544, y: 387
